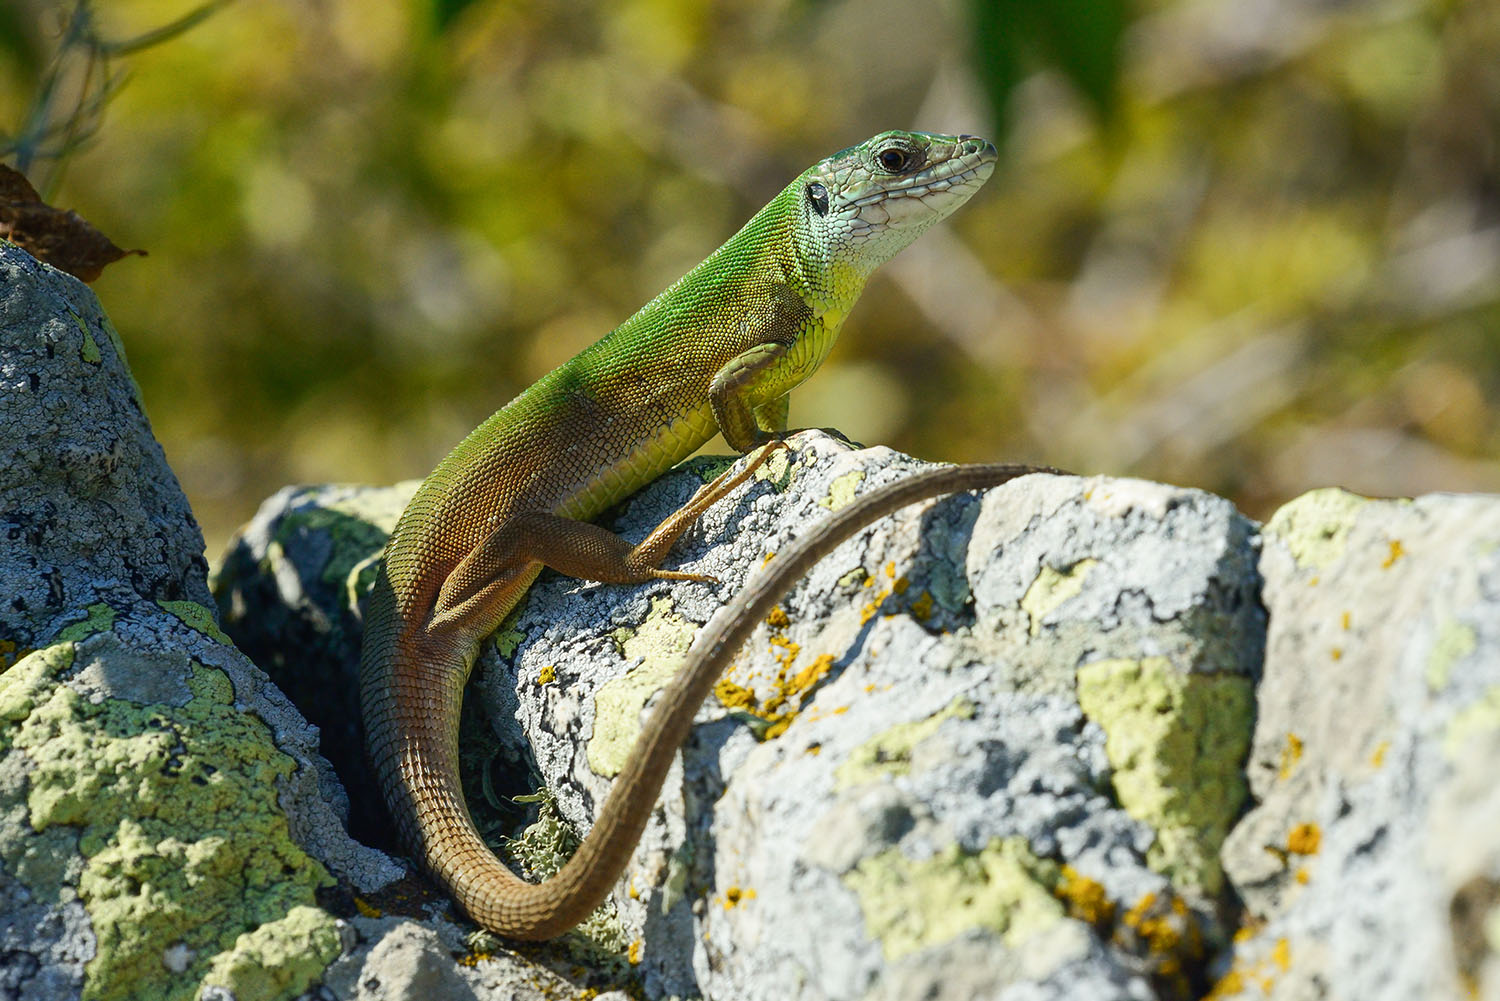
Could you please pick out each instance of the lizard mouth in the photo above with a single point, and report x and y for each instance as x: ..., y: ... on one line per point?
x: 955, y: 172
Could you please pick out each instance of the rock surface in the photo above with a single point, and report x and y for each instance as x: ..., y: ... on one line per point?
x: 1073, y: 738
x: 167, y: 829
x: 909, y: 771
x: 1370, y: 866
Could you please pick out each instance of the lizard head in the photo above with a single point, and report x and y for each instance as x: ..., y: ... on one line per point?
x: 861, y: 205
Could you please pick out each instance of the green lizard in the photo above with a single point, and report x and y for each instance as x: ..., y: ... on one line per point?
x: 717, y: 351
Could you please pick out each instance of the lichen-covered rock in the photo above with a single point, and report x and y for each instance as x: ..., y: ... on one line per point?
x: 166, y: 827
x: 82, y: 480
x: 1371, y: 863
x: 288, y: 591
x: 990, y: 743
x: 1000, y: 735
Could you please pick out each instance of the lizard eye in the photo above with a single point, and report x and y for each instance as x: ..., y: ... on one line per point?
x: 817, y: 197
x: 893, y: 159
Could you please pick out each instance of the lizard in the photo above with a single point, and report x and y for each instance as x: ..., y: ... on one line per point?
x: 718, y: 350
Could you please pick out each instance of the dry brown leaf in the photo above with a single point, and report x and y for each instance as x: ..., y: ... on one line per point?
x: 62, y: 239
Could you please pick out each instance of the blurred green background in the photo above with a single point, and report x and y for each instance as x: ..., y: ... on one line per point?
x: 1246, y: 245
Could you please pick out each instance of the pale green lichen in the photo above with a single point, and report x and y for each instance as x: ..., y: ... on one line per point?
x: 841, y: 490
x: 1315, y: 527
x: 508, y: 637
x: 1176, y: 742
x: 197, y: 617
x: 357, y: 527
x: 90, y: 350
x: 184, y: 845
x: 1478, y: 717
x: 1455, y: 641
x: 1051, y: 588
x: 100, y: 618
x: 353, y: 538
x: 662, y: 642
x: 776, y: 470
x: 543, y: 848
x: 909, y: 906
x: 888, y: 754
x: 280, y: 958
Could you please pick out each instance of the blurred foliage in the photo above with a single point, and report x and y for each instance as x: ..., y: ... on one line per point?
x: 67, y: 103
x: 370, y: 224
x: 1081, y: 38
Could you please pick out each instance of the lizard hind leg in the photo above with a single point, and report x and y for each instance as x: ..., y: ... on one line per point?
x: 654, y: 547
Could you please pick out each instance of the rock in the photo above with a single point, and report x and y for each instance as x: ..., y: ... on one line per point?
x: 288, y: 590
x: 910, y: 769
x: 1371, y: 864
x: 82, y: 480
x: 165, y: 823
x: 999, y: 746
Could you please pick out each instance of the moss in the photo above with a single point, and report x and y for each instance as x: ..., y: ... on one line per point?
x: 542, y: 849
x: 1176, y: 743
x: 184, y: 845
x: 889, y: 753
x: 1051, y: 588
x: 662, y: 643
x: 197, y: 617
x: 909, y: 906
x: 1315, y: 526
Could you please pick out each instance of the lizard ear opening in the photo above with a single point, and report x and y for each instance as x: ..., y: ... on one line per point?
x: 817, y: 197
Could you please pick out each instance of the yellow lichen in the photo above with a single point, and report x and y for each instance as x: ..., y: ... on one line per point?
x: 1085, y: 899
x: 547, y: 674
x: 1397, y: 551
x: 1290, y: 755
x: 734, y: 895
x: 1304, y: 839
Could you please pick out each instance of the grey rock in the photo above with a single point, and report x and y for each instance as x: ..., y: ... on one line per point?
x: 82, y: 479
x: 993, y: 747
x: 950, y: 702
x: 878, y: 749
x: 1370, y: 863
x: 403, y: 960
x: 165, y: 822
